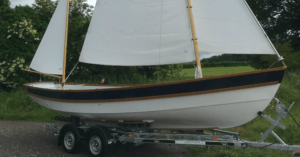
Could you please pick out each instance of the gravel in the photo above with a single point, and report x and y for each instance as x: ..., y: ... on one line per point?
x: 31, y: 139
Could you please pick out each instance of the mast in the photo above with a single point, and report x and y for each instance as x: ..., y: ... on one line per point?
x: 65, y: 50
x: 194, y: 36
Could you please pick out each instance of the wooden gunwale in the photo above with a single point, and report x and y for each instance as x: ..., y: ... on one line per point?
x: 125, y: 87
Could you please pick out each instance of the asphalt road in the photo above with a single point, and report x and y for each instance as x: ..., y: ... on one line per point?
x: 31, y: 139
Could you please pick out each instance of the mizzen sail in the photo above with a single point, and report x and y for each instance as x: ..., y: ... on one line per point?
x: 49, y: 56
x: 139, y: 32
x: 228, y: 26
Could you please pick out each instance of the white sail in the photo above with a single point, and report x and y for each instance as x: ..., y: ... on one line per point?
x: 228, y: 26
x: 49, y: 55
x: 139, y: 32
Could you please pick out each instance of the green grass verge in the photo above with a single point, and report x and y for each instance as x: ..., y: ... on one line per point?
x: 236, y: 152
x: 17, y: 105
x: 207, y: 72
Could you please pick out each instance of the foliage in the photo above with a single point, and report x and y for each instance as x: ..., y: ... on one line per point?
x: 291, y: 58
x: 218, y: 64
x: 167, y: 72
x: 9, y: 72
x: 18, y: 40
x: 5, y: 3
x: 17, y: 105
x: 126, y: 75
x: 280, y: 19
x: 236, y: 152
x: 23, y: 27
x: 215, y: 71
x: 225, y: 64
x: 228, y: 57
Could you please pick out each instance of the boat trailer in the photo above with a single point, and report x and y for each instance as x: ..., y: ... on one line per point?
x: 72, y: 132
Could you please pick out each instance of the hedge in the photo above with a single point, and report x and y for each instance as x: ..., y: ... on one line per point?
x: 218, y: 64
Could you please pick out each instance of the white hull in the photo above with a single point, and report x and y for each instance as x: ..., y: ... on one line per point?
x: 214, y: 110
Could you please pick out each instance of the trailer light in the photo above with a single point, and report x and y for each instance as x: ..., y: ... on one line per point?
x: 130, y: 135
x: 215, y: 139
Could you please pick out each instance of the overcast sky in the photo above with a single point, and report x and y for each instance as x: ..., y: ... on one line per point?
x: 30, y: 2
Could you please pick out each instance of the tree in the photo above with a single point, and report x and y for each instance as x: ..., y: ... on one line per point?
x: 22, y: 28
x: 291, y: 58
x: 18, y: 40
x: 280, y: 19
x: 4, y: 3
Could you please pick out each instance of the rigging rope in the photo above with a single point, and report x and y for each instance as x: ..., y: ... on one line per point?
x: 69, y: 75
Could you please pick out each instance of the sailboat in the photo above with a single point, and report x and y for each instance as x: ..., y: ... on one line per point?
x: 160, y: 32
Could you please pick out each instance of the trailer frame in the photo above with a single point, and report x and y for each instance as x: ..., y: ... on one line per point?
x: 137, y: 133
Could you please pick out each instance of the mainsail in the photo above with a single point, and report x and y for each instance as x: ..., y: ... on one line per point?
x: 155, y: 32
x: 229, y: 27
x: 49, y: 55
x: 139, y: 32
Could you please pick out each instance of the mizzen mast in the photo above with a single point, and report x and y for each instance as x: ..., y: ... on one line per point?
x: 65, y: 49
x: 194, y: 36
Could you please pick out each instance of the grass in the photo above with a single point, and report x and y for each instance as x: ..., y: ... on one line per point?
x: 17, y: 105
x: 207, y: 72
x: 236, y: 152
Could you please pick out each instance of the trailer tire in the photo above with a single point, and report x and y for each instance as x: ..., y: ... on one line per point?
x: 71, y: 140
x: 96, y: 145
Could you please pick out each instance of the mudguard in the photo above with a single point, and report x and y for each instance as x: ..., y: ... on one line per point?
x: 73, y: 127
x: 104, y: 132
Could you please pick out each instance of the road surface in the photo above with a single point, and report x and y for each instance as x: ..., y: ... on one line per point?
x: 30, y: 139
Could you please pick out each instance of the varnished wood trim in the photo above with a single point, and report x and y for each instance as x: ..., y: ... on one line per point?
x: 36, y: 72
x: 162, y: 96
x: 196, y: 48
x: 41, y: 82
x: 66, y: 44
x: 122, y: 87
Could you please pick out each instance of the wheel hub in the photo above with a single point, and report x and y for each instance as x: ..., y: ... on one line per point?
x: 95, y: 145
x: 69, y: 140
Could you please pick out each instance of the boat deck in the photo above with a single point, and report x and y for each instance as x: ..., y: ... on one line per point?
x: 57, y: 86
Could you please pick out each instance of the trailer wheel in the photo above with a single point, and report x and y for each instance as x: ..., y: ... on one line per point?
x: 70, y: 141
x: 96, y: 144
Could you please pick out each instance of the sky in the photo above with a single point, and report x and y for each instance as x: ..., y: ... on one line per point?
x: 30, y: 2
